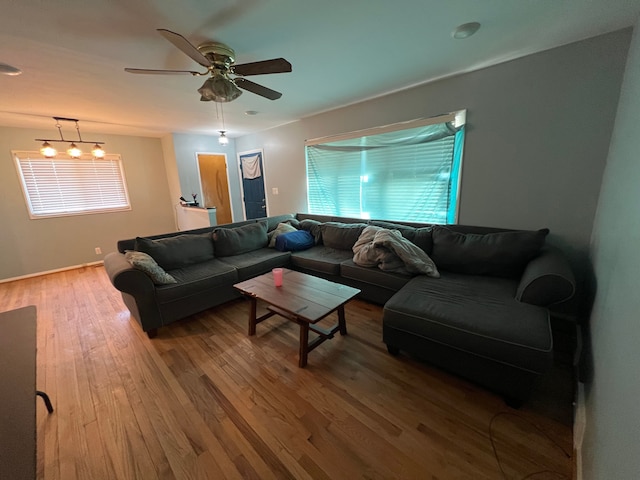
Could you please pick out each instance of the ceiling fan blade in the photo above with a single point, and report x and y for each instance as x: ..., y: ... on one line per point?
x: 275, y: 65
x: 253, y: 87
x: 164, y: 72
x: 185, y: 46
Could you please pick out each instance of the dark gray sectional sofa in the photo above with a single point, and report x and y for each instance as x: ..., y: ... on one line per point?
x: 485, y: 318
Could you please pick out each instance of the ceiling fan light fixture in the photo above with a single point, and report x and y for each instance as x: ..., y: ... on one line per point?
x: 48, y: 151
x: 222, y: 139
x: 74, y: 151
x: 465, y: 30
x: 219, y: 88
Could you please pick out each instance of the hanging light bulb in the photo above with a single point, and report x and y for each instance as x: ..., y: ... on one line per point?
x: 223, y: 140
x: 47, y: 150
x: 98, y: 151
x: 74, y: 151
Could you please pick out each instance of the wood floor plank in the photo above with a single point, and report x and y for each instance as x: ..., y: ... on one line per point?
x: 205, y: 401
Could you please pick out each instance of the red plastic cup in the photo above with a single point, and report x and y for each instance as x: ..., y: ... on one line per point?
x: 277, y: 276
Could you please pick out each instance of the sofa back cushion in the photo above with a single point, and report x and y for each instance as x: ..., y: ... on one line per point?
x: 178, y: 251
x: 341, y: 236
x: 235, y: 241
x: 314, y: 227
x: 500, y: 254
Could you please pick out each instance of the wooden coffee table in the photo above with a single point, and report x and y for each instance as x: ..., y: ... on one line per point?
x: 303, y: 299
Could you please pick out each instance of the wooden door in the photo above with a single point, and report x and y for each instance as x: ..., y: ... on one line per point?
x: 215, y: 185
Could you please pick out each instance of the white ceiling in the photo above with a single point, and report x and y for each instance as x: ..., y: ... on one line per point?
x: 73, y: 53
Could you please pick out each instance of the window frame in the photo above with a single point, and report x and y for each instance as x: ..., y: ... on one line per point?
x: 20, y: 156
x: 455, y: 119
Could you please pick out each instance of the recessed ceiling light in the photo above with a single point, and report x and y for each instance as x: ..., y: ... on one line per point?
x: 465, y: 30
x: 9, y: 70
x: 251, y: 112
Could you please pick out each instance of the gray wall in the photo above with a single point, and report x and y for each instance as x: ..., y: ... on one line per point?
x: 31, y: 246
x: 612, y: 435
x: 537, y: 138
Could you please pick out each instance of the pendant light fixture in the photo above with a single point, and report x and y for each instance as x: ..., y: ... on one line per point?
x: 73, y: 151
x: 222, y: 139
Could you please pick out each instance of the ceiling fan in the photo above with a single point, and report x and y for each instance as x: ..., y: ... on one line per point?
x: 219, y: 60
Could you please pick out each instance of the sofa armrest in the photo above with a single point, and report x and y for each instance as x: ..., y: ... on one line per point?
x: 126, y: 278
x: 547, y: 279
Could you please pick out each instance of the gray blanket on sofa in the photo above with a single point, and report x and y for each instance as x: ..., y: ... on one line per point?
x: 391, y: 252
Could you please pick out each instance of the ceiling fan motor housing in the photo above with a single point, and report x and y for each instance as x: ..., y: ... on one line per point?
x: 220, y: 55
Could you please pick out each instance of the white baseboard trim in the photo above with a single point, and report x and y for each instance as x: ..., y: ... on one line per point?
x: 48, y: 272
x: 579, y: 426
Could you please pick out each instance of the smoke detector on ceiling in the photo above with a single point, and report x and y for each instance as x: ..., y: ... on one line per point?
x: 465, y: 30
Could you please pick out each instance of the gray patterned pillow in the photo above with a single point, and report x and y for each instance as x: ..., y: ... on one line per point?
x: 148, y: 265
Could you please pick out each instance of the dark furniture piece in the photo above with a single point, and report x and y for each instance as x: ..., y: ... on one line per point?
x: 486, y: 318
x: 18, y: 394
x: 303, y: 299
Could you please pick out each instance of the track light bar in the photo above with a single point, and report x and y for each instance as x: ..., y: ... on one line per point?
x: 74, y: 152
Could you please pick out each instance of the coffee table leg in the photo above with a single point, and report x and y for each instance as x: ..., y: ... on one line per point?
x: 304, y: 344
x: 342, y: 323
x: 252, y: 316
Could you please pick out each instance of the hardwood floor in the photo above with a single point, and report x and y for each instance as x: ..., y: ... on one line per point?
x: 203, y: 400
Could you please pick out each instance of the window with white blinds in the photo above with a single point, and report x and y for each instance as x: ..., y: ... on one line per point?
x: 405, y: 174
x: 66, y: 186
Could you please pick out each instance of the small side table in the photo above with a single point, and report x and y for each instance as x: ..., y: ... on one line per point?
x: 18, y: 393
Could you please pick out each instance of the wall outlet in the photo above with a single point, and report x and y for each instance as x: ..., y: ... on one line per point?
x: 274, y: 190
x: 98, y: 251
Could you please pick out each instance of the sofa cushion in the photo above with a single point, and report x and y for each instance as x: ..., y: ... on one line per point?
x: 197, y: 278
x: 374, y: 276
x: 321, y: 259
x: 174, y: 252
x: 314, y: 227
x: 474, y: 314
x: 238, y: 240
x: 341, y: 236
x: 280, y: 229
x: 257, y: 262
x: 294, y: 241
x: 501, y: 254
x: 148, y: 265
x: 423, y: 238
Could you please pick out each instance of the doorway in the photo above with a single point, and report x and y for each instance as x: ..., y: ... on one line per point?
x: 214, y: 181
x: 252, y: 182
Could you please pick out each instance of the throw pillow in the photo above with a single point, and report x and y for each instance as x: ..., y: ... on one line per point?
x: 280, y: 229
x: 148, y: 265
x: 238, y: 240
x: 294, y: 241
x: 502, y: 254
x: 177, y: 251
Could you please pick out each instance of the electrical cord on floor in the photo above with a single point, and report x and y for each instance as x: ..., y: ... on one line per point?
x: 531, y: 475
